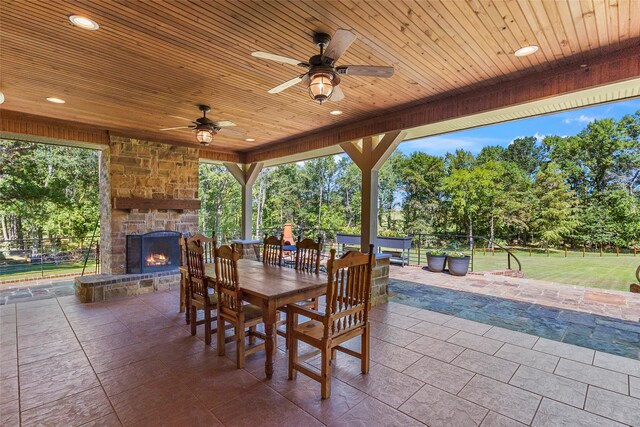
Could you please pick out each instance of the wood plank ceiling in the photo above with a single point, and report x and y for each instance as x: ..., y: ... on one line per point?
x: 152, y: 60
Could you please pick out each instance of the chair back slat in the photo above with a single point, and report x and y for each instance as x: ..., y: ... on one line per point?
x: 227, y: 282
x: 272, y: 251
x: 308, y: 255
x: 195, y: 266
x: 207, y: 244
x: 182, y: 241
x: 348, y: 290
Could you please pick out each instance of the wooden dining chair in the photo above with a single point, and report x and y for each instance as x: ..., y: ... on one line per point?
x: 346, y: 316
x: 231, y: 308
x: 272, y: 250
x: 199, y: 286
x: 207, y: 246
x: 185, y: 307
x: 308, y: 254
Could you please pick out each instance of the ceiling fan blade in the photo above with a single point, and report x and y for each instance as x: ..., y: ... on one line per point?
x: 339, y: 43
x: 180, y: 118
x: 224, y: 123
x: 232, y: 132
x: 365, y: 70
x: 338, y: 94
x: 278, y: 58
x: 294, y: 81
x: 178, y: 127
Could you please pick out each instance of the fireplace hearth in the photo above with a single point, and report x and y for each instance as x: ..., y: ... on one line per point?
x: 153, y: 252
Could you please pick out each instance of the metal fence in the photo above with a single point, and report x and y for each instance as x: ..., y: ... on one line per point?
x: 44, y: 257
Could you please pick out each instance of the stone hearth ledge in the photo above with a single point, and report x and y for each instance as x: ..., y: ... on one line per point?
x: 104, y: 287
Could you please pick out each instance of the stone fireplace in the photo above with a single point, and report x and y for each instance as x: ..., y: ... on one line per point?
x: 144, y: 187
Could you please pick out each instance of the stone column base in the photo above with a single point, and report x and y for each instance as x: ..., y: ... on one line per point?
x: 249, y: 249
x: 380, y: 280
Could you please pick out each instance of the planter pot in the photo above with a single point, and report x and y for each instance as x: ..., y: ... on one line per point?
x: 458, y: 266
x: 435, y: 263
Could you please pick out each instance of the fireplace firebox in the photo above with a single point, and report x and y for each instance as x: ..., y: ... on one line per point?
x: 153, y: 252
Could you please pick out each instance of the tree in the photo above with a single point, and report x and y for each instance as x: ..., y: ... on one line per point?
x: 553, y: 219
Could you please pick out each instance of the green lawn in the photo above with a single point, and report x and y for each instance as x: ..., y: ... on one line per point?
x: 607, y: 272
x: 34, y: 271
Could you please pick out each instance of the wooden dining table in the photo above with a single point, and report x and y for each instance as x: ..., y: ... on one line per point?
x: 273, y: 287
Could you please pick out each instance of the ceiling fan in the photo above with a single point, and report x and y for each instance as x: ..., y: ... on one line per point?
x: 205, y: 128
x: 323, y: 76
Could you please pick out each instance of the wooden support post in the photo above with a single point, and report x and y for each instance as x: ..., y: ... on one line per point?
x: 246, y: 175
x: 369, y: 156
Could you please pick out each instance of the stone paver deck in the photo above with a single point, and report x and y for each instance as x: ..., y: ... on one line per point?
x: 617, y: 304
x: 133, y: 362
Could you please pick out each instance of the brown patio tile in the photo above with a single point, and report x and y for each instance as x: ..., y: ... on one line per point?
x: 111, y: 359
x: 343, y: 398
x: 559, y: 388
x: 524, y: 356
x: 267, y: 408
x: 468, y: 326
x: 110, y: 342
x: 387, y: 385
x: 10, y: 414
x: 8, y: 351
x: 612, y: 405
x: 505, y: 399
x: 89, y: 333
x: 42, y: 338
x: 431, y: 316
x: 605, y: 298
x: 553, y: 414
x: 373, y: 413
x: 45, y: 351
x: 181, y: 348
x: 220, y: 387
x: 512, y: 337
x: 593, y: 375
x: 110, y: 420
x: 8, y: 390
x: 8, y: 369
x: 493, y: 419
x: 634, y: 386
x: 397, y: 320
x: 58, y: 325
x: 165, y: 335
x: 392, y: 335
x: 392, y: 356
x: 74, y: 410
x: 54, y: 387
x: 476, y: 342
x: 434, y: 331
x: 36, y: 371
x: 437, y: 408
x: 485, y: 364
x: 394, y: 307
x: 185, y: 414
x: 617, y: 363
x: 435, y: 348
x: 439, y: 374
x: 166, y: 396
x: 131, y: 376
x: 567, y: 351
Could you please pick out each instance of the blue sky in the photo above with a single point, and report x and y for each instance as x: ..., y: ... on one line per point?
x: 565, y: 123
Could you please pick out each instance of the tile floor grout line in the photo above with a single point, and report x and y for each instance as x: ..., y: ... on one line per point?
x: 90, y: 364
x: 18, y: 368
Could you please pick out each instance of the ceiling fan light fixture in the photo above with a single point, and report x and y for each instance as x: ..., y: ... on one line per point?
x: 204, y: 134
x: 321, y: 86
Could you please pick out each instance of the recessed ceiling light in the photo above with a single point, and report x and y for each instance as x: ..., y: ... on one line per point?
x: 84, y: 23
x: 1, y: 97
x: 335, y: 112
x: 56, y: 100
x: 526, y: 50
x: 250, y: 139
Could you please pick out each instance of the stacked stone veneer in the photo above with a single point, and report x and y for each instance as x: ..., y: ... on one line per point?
x: 147, y: 170
x: 380, y: 280
x: 141, y: 169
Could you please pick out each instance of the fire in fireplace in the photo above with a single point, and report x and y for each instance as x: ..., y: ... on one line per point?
x: 151, y: 252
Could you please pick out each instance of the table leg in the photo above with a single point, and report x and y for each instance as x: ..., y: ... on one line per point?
x: 269, y: 317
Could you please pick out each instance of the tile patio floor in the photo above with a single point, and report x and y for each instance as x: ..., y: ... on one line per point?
x: 133, y: 362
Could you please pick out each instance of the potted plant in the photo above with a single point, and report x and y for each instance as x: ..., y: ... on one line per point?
x: 435, y: 260
x: 458, y: 263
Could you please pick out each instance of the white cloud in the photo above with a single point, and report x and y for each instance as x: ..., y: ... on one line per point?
x: 438, y: 145
x: 581, y: 119
x: 538, y: 136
